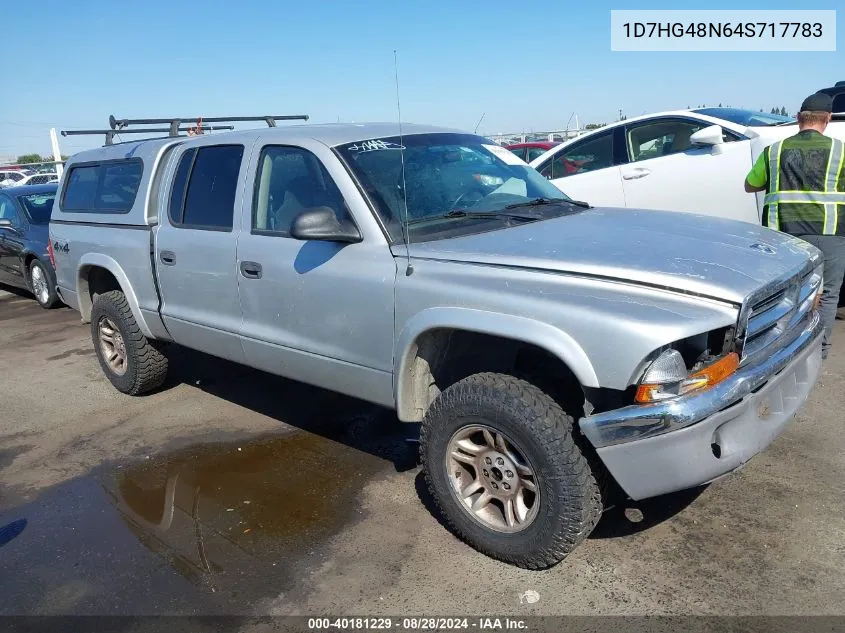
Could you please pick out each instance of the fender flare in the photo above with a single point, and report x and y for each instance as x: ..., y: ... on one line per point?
x: 104, y: 261
x: 552, y: 339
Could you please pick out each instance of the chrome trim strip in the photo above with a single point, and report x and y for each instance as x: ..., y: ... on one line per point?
x: 638, y: 422
x: 801, y: 197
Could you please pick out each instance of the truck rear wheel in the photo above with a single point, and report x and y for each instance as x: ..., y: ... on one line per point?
x: 133, y: 363
x: 505, y: 472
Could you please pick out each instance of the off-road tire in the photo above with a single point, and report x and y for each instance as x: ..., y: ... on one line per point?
x: 146, y: 366
x: 570, y: 498
x: 52, y: 296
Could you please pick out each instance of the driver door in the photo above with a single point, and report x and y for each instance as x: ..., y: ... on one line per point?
x: 316, y: 311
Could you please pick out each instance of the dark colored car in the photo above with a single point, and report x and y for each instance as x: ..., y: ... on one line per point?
x: 531, y: 150
x: 838, y: 93
x: 24, y: 237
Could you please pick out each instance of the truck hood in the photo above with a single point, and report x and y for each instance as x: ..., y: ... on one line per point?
x: 684, y: 252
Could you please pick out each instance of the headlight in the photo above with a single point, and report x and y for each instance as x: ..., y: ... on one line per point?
x: 667, y: 376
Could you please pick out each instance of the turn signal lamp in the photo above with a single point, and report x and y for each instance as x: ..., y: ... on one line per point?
x: 667, y: 377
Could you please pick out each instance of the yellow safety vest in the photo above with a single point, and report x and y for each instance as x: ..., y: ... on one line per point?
x: 806, y: 189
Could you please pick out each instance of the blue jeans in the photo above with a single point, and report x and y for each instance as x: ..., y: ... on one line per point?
x: 833, y: 248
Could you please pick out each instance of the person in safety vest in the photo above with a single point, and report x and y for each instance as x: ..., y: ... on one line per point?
x: 804, y: 180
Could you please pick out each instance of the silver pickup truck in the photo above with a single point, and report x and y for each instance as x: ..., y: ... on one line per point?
x: 548, y: 348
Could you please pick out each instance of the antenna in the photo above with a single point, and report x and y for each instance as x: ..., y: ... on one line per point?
x: 409, y: 270
x: 475, y: 131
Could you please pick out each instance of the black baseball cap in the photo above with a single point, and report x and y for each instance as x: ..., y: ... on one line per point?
x: 819, y: 102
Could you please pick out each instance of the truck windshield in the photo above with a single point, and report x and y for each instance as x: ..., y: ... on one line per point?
x: 450, y: 179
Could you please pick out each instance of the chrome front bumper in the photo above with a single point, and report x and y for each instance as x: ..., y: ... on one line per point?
x: 660, y: 448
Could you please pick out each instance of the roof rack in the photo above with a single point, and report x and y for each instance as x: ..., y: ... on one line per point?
x: 119, y: 126
x: 110, y: 133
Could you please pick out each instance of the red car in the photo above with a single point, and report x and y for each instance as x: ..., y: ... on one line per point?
x: 530, y: 151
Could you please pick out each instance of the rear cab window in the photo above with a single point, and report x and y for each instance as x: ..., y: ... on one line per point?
x: 107, y: 187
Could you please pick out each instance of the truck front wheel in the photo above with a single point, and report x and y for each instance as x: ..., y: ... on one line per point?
x: 505, y: 472
x: 133, y: 364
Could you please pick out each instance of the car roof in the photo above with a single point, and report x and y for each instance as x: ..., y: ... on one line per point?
x: 26, y: 190
x: 330, y: 134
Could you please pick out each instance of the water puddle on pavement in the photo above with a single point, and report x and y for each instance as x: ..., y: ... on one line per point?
x: 226, y: 507
x: 238, y: 521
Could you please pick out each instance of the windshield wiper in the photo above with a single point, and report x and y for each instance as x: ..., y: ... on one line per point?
x: 537, y: 202
x: 463, y: 213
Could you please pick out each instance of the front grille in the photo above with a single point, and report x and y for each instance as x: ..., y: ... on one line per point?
x: 774, y: 313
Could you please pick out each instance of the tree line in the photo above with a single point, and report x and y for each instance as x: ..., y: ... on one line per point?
x: 27, y: 159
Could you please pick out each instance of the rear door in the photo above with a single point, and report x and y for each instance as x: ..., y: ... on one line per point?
x: 587, y: 170
x: 667, y: 172
x: 195, y: 250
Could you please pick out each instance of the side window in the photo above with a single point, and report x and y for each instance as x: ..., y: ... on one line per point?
x: 108, y: 187
x: 16, y: 176
x: 81, y: 188
x: 117, y: 187
x: 589, y: 155
x: 661, y: 138
x: 180, y: 186
x: 289, y: 181
x: 8, y: 212
x: 519, y: 151
x: 534, y: 152
x: 209, y: 197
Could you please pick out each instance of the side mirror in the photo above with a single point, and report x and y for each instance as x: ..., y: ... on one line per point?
x: 321, y: 223
x: 5, y: 223
x: 711, y: 135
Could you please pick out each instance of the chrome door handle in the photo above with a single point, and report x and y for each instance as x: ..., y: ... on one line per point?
x: 636, y: 172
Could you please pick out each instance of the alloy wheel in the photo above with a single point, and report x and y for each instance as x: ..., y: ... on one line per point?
x: 112, y: 346
x: 40, y: 287
x: 492, y: 479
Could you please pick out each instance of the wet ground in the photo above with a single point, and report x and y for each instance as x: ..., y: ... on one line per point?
x: 230, y: 491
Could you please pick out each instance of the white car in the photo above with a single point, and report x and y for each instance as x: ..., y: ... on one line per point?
x: 675, y: 161
x: 38, y: 179
x: 13, y: 177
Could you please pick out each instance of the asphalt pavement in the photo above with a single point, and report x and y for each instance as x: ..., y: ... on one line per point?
x: 231, y: 491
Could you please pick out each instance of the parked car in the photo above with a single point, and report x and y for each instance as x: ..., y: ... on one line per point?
x: 531, y: 150
x: 673, y: 161
x: 837, y: 91
x: 24, y: 241
x: 38, y: 179
x: 546, y: 347
x: 11, y: 177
